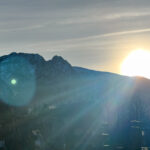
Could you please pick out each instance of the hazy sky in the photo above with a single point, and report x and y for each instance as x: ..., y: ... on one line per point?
x: 96, y: 34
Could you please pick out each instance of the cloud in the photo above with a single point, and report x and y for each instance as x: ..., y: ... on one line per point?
x: 103, y: 17
x: 117, y: 34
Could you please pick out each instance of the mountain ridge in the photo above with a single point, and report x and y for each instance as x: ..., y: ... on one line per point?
x: 56, y: 61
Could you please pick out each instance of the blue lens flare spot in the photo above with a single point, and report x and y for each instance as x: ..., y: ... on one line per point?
x: 17, y: 81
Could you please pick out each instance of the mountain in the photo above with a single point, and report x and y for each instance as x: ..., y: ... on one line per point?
x: 54, y: 105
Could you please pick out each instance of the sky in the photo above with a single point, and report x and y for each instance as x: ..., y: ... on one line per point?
x: 96, y: 34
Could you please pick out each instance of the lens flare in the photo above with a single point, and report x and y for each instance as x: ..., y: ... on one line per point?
x: 13, y: 81
x: 17, y: 81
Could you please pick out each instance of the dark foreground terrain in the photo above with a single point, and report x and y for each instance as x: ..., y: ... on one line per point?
x: 51, y: 105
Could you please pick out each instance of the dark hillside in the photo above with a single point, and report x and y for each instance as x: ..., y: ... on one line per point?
x: 53, y: 105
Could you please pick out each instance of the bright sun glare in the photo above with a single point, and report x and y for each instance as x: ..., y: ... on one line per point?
x: 137, y: 63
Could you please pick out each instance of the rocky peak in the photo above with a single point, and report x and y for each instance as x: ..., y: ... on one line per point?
x: 58, y: 64
x: 32, y: 58
x: 59, y: 61
x: 55, y: 67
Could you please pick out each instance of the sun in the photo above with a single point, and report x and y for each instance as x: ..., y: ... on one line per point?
x: 137, y: 63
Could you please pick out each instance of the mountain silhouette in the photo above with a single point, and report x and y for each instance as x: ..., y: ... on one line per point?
x: 54, y: 105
